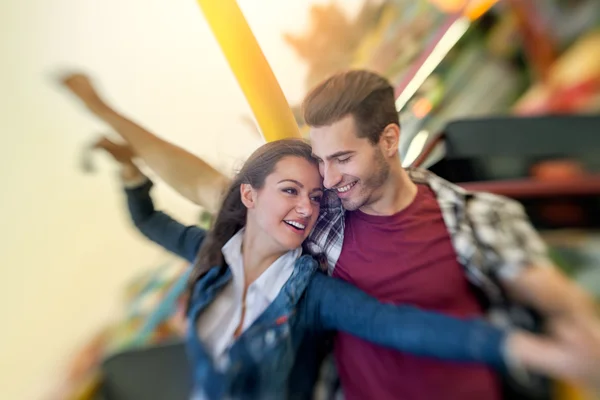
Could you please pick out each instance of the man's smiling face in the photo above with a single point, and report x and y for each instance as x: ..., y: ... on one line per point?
x: 352, y: 166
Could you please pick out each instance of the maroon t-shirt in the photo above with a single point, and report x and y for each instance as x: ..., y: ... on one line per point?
x: 407, y: 258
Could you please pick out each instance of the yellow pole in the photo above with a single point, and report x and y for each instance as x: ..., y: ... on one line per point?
x: 253, y: 73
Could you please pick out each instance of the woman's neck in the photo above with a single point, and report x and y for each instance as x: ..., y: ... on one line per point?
x: 258, y: 254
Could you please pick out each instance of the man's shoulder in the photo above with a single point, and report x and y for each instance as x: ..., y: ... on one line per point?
x: 331, y: 216
x: 330, y: 221
x: 326, y: 239
x: 490, y: 203
x: 446, y: 191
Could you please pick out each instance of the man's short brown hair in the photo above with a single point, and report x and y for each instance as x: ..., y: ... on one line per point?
x: 368, y: 97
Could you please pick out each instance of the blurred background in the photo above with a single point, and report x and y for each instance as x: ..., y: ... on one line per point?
x: 79, y: 284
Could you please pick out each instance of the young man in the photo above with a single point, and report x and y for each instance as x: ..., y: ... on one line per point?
x: 400, y: 235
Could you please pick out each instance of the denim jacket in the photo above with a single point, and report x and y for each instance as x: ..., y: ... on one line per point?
x: 261, y: 360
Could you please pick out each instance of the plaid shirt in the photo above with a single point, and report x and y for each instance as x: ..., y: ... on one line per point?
x: 492, y: 237
x: 491, y: 234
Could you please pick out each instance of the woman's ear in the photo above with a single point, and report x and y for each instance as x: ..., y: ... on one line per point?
x: 248, y: 195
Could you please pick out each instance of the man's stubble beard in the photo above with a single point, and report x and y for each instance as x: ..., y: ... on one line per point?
x: 371, y: 184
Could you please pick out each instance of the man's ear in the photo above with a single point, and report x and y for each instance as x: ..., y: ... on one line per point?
x: 248, y: 195
x: 390, y: 140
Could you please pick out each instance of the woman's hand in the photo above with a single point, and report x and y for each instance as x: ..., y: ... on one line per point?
x: 81, y: 86
x: 120, y: 152
x: 124, y: 155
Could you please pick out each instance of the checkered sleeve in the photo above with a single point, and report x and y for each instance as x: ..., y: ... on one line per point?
x: 504, y: 230
x: 326, y: 239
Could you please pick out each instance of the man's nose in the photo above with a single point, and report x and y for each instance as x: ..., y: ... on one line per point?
x: 331, y: 176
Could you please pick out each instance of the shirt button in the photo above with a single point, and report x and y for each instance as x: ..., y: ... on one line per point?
x: 269, y: 337
x: 223, y: 363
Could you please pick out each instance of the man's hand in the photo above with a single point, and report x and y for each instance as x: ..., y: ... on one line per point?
x: 569, y: 356
x: 81, y: 86
x: 580, y: 339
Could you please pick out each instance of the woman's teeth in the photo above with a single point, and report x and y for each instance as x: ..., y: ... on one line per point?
x: 295, y: 224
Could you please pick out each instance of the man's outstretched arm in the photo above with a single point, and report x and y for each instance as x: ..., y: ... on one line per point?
x: 527, y: 272
x: 189, y: 175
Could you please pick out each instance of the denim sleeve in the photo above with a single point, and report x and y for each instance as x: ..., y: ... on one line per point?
x: 182, y: 240
x: 337, y: 305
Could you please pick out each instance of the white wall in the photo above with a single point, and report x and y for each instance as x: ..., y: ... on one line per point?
x: 66, y: 247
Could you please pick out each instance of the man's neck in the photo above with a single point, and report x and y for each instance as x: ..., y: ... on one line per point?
x: 397, y: 193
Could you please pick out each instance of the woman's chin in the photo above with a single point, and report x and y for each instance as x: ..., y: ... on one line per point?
x: 290, y: 243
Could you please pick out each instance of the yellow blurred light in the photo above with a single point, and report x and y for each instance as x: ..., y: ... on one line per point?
x: 473, y: 9
x: 422, y: 107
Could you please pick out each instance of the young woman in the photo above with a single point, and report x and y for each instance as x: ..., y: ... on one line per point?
x: 254, y: 298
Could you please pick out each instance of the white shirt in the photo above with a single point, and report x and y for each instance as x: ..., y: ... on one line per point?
x: 217, y: 324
